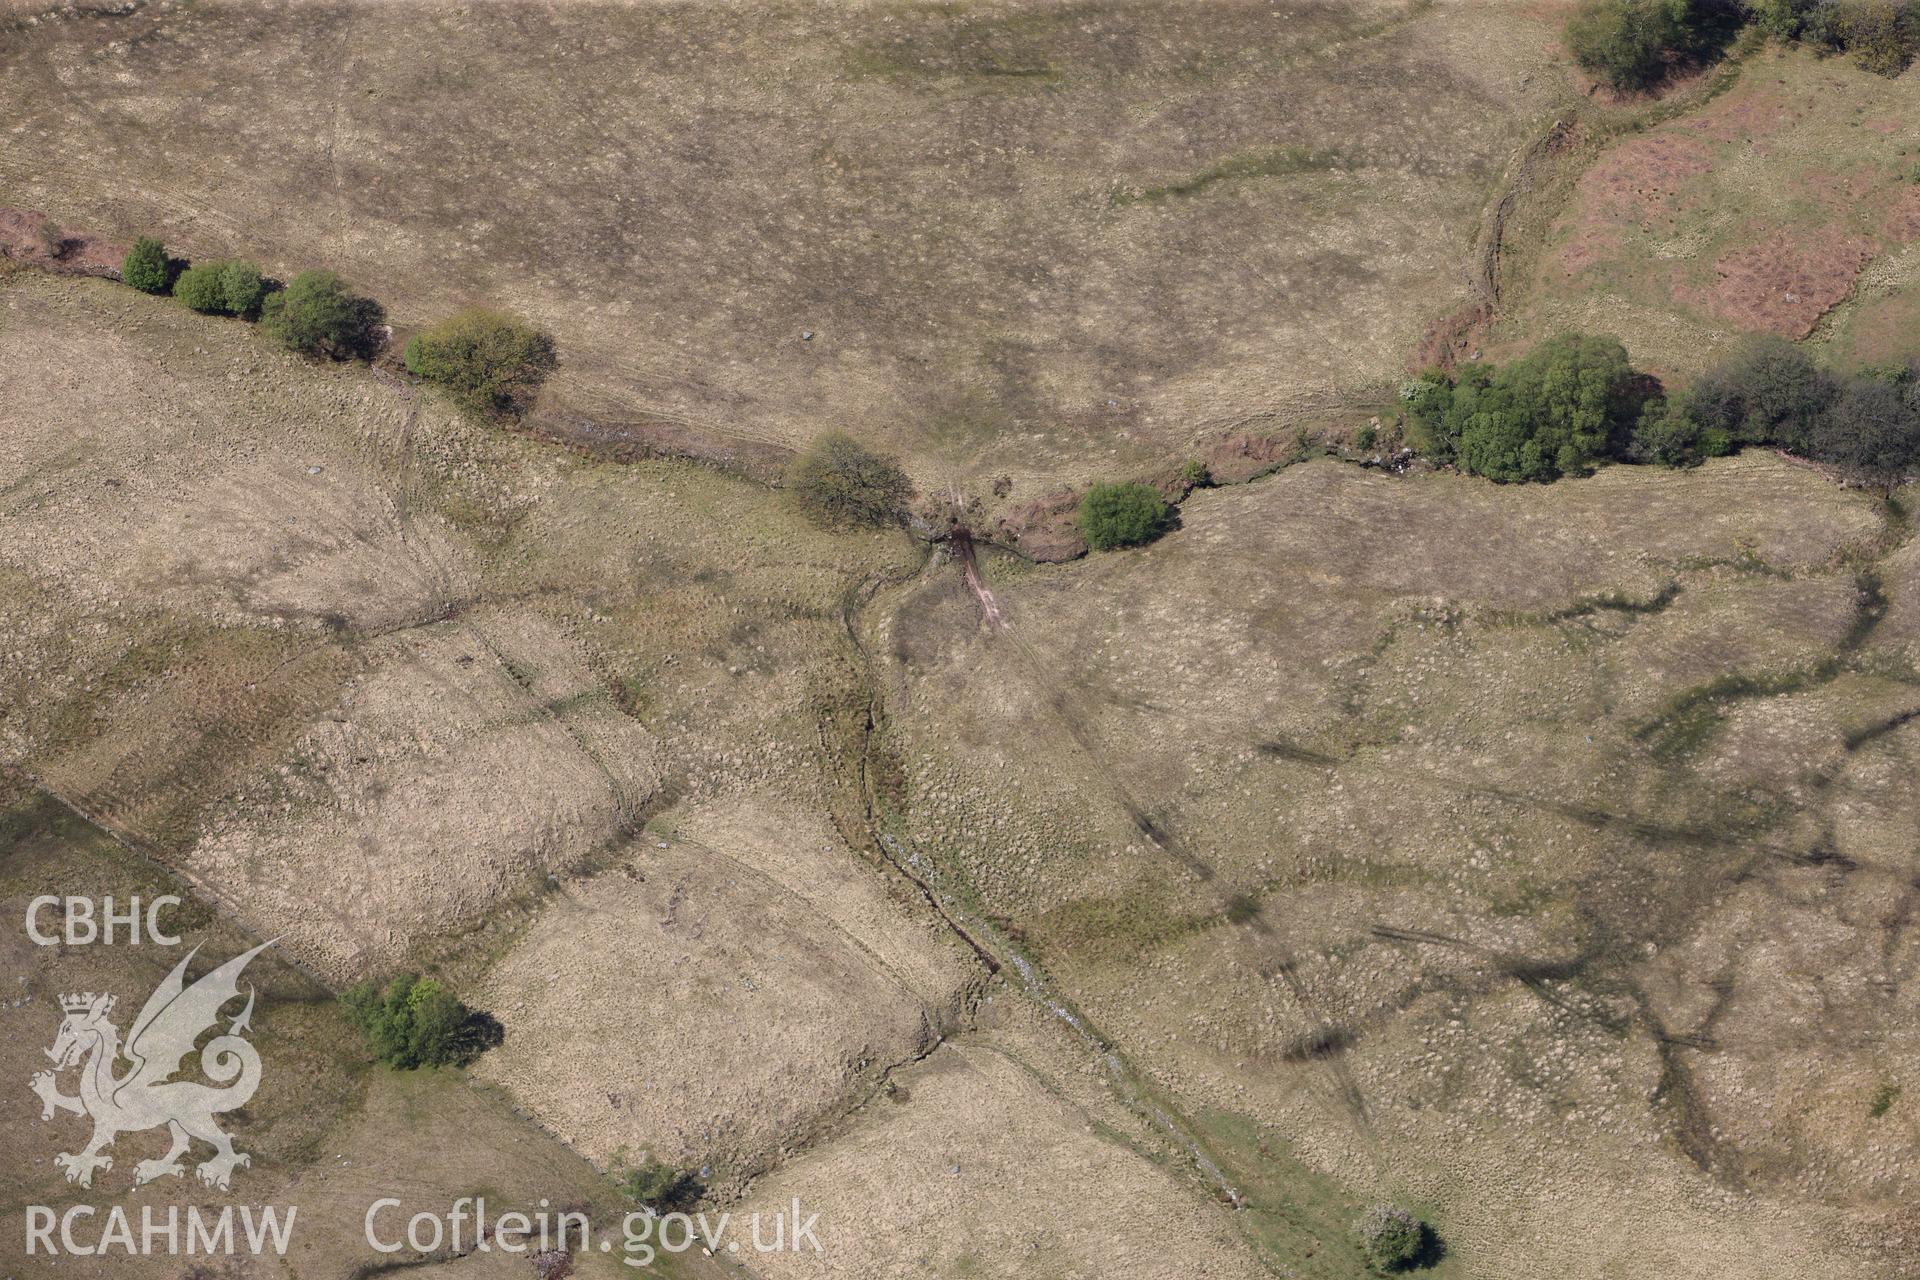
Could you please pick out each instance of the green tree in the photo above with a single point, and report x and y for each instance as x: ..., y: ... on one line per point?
x: 1433, y: 424
x: 840, y: 482
x: 658, y: 1186
x: 242, y: 288
x: 1768, y: 392
x: 1629, y: 43
x: 1668, y: 434
x: 1823, y: 26
x: 1554, y: 412
x: 1392, y: 1238
x: 316, y: 315
x: 415, y: 1022
x: 1782, y: 19
x: 145, y: 266
x: 1122, y: 515
x: 199, y: 287
x: 1871, y: 432
x: 1883, y: 35
x: 221, y: 288
x: 492, y: 362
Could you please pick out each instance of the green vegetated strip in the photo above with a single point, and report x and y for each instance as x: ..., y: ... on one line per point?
x: 1617, y: 602
x: 894, y: 66
x: 1690, y: 719
x: 1300, y: 1220
x: 940, y: 41
x: 1277, y: 162
x: 958, y: 905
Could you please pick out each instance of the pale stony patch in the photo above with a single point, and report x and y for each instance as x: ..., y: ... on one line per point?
x: 468, y: 762
x: 718, y: 1001
x: 944, y: 1181
x: 1366, y: 808
x: 157, y: 456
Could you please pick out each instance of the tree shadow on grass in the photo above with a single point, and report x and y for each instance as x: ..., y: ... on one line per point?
x: 1432, y: 1251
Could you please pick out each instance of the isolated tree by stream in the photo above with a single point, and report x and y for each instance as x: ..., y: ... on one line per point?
x: 839, y: 482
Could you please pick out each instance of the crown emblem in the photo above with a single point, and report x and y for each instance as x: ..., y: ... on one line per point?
x: 170, y: 1027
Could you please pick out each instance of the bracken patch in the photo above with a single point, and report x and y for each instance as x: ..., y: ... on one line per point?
x: 1785, y: 283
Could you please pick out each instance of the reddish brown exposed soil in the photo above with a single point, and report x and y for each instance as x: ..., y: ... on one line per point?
x: 1448, y: 339
x: 1643, y: 182
x: 1750, y: 117
x: 80, y: 254
x: 1640, y: 178
x: 1785, y: 283
x: 1043, y: 529
x: 1903, y: 223
x: 962, y: 542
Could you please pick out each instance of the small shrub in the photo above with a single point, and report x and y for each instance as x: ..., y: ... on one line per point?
x: 316, y: 315
x: 840, y: 482
x: 1195, y: 474
x: 492, y: 362
x: 658, y: 1186
x: 242, y: 288
x: 1364, y: 435
x: 1391, y: 1237
x: 1897, y: 372
x: 1122, y: 515
x: 415, y: 1022
x: 145, y: 266
x: 53, y: 241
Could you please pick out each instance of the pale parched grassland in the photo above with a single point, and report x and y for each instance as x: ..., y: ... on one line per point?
x: 1042, y: 241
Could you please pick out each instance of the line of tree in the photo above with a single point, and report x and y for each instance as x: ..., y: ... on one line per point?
x: 1576, y: 401
x: 491, y: 363
x: 1633, y: 44
x: 315, y: 313
x: 1882, y: 35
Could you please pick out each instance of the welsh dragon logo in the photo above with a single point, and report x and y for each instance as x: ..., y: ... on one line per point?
x: 142, y: 1097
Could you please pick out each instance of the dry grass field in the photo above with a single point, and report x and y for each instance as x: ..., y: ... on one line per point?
x: 1037, y: 240
x: 1540, y: 858
x: 1528, y: 852
x: 328, y: 1133
x: 720, y: 995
